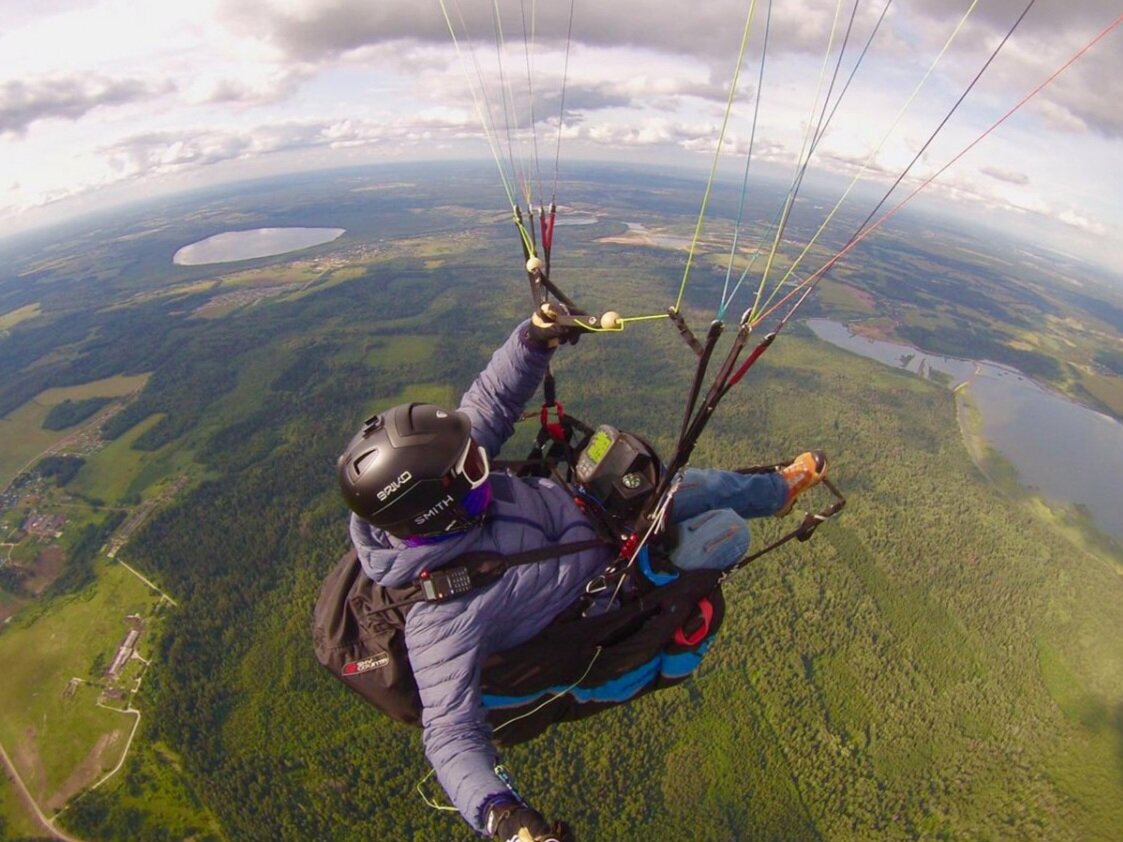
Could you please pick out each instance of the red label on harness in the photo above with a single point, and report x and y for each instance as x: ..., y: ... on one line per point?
x: 365, y: 665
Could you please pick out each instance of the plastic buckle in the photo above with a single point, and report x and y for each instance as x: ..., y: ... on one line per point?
x: 597, y: 585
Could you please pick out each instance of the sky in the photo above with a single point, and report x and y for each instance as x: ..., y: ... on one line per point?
x: 107, y: 101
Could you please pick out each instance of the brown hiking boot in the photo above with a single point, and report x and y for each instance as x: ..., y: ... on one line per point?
x: 802, y: 473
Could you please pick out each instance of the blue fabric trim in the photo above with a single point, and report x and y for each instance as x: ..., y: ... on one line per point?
x: 620, y: 689
x: 657, y: 579
x: 684, y: 663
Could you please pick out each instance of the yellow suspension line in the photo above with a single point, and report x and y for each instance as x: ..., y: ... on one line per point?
x: 510, y: 112
x: 800, y: 163
x: 717, y: 154
x: 485, y: 122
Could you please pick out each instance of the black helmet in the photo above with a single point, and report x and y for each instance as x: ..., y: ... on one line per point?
x: 409, y: 469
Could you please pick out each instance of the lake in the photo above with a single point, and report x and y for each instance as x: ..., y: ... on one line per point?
x: 246, y: 245
x: 1063, y: 451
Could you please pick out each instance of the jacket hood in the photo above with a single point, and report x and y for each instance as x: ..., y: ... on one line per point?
x: 390, y: 563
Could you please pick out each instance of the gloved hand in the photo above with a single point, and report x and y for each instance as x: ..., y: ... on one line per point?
x: 547, y: 333
x: 522, y: 824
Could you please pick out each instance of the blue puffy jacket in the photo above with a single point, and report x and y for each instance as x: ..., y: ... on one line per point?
x: 448, y: 642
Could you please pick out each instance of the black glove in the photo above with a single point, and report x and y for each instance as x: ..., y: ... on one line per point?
x: 547, y: 333
x: 522, y: 824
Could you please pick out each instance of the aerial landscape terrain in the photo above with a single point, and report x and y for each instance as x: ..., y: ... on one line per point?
x: 944, y: 660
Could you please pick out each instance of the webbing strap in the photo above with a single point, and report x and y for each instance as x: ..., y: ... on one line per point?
x: 532, y: 556
x: 474, y: 570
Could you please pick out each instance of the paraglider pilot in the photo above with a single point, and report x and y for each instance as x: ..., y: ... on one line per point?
x: 418, y: 481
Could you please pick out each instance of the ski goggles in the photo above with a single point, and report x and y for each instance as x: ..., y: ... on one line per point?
x: 473, y: 466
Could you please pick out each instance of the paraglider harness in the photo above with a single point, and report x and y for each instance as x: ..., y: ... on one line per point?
x: 591, y: 657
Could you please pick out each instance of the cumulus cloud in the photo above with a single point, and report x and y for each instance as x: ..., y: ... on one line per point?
x: 694, y: 137
x: 23, y: 102
x: 1044, y: 18
x: 710, y: 34
x: 1085, y: 97
x: 1017, y: 178
x: 1089, y: 95
x: 580, y: 100
x: 274, y: 85
x: 316, y: 31
x: 164, y: 153
x: 312, y: 29
x: 309, y: 30
x: 1084, y: 223
x: 261, y: 78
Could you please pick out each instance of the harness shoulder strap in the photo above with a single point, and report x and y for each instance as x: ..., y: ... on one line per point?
x: 474, y: 570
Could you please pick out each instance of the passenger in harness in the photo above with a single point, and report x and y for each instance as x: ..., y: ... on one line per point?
x: 419, y: 482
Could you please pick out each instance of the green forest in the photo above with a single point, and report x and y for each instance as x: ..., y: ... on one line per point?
x: 937, y: 663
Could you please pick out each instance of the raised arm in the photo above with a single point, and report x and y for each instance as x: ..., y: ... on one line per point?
x: 497, y: 397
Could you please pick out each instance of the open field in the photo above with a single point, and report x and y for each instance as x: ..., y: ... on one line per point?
x: 155, y: 786
x: 111, y: 387
x: 16, y: 822
x: 402, y: 350
x: 22, y: 314
x: 59, y: 738
x: 1108, y: 390
x: 109, y: 473
x: 421, y: 393
x: 22, y: 431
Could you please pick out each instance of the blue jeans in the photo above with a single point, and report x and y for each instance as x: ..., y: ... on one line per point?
x: 710, y: 510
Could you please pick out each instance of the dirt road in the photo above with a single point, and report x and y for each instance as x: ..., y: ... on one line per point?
x: 29, y: 802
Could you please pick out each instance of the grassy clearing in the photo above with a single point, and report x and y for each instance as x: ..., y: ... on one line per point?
x: 17, y: 823
x: 110, y: 387
x: 109, y: 473
x: 294, y: 273
x: 154, y: 785
x: 394, y: 351
x: 1109, y: 390
x: 22, y: 431
x: 61, y: 741
x: 23, y: 314
x: 846, y: 299
x: 253, y: 391
x: 329, y: 279
x: 218, y: 312
x: 168, y: 292
x: 433, y: 393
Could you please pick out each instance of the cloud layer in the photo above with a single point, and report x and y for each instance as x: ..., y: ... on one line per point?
x: 68, y: 98
x: 108, y: 92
